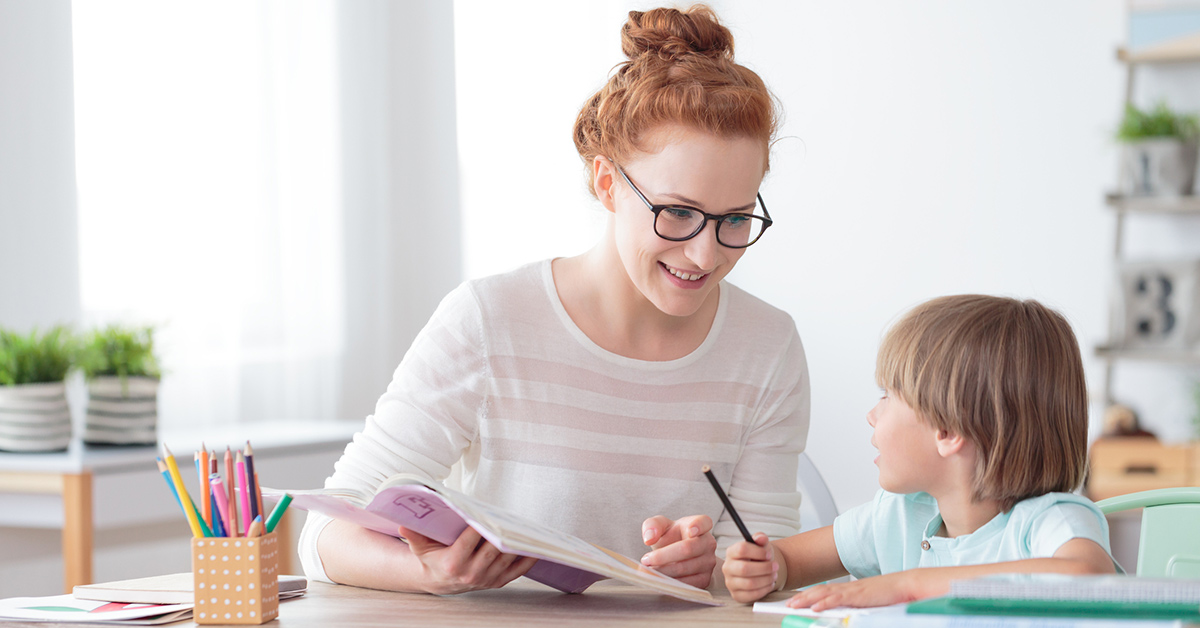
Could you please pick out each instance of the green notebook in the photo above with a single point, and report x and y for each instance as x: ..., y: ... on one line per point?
x: 1055, y: 595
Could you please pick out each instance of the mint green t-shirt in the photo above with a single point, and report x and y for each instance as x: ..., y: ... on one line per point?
x: 896, y: 532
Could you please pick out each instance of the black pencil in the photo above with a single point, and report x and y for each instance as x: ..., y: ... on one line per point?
x: 712, y: 479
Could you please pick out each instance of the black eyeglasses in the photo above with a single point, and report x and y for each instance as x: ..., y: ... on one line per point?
x: 736, y: 230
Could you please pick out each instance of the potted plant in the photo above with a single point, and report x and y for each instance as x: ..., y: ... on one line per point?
x: 34, y: 415
x: 1159, y: 151
x: 123, y: 376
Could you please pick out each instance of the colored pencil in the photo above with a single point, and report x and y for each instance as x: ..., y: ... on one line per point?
x: 205, y: 493
x: 230, y: 487
x: 712, y: 479
x: 251, y: 481
x: 219, y: 496
x: 277, y: 512
x: 243, y: 490
x: 184, y: 500
x: 256, y: 493
x: 255, y: 527
x: 212, y: 498
x: 162, y: 468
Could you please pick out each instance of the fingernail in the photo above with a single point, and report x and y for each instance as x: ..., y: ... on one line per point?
x: 693, y: 531
x: 649, y: 534
x: 646, y: 559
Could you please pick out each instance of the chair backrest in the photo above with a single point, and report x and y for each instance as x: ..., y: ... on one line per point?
x: 817, y: 508
x: 1170, y: 539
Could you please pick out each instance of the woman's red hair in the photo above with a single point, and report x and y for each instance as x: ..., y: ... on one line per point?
x: 680, y: 71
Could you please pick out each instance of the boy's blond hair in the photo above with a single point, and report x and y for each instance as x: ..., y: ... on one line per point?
x: 1006, y: 375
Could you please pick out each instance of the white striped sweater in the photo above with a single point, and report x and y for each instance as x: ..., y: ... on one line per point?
x: 548, y: 425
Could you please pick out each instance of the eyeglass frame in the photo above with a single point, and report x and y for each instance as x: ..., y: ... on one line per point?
x: 719, y: 218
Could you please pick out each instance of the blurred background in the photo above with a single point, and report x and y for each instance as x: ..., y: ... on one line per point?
x: 286, y: 190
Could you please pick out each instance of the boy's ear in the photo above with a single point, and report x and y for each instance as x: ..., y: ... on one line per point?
x: 949, y: 443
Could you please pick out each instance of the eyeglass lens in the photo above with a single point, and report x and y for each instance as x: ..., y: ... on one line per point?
x: 735, y: 230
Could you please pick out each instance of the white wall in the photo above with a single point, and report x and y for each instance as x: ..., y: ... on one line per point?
x: 940, y: 148
x: 929, y: 148
x: 39, y: 285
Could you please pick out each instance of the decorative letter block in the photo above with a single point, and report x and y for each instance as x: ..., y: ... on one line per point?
x: 236, y: 579
x: 1156, y: 305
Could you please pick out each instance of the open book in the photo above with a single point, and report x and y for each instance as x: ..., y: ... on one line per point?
x: 567, y: 563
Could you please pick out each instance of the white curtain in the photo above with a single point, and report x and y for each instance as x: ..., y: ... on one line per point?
x: 208, y: 159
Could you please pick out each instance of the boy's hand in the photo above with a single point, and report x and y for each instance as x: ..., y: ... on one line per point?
x: 893, y: 588
x: 750, y: 569
x: 684, y: 549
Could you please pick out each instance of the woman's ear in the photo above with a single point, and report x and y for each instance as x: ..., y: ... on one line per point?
x: 949, y: 443
x: 604, y: 177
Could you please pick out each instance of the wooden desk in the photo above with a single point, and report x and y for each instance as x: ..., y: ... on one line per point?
x: 522, y: 603
x: 101, y: 486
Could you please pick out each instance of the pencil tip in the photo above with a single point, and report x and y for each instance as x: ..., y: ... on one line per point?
x: 705, y: 469
x: 167, y: 450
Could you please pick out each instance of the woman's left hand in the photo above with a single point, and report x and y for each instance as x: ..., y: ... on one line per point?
x: 684, y: 549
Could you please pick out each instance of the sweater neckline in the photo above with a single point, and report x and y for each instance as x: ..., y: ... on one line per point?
x: 648, y: 365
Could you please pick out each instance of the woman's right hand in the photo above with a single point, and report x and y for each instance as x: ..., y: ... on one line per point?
x: 468, y: 564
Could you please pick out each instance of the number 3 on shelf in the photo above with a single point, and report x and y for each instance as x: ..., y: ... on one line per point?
x: 1157, y: 303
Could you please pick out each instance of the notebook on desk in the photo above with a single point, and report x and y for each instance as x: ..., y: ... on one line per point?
x: 1057, y: 595
x: 173, y: 588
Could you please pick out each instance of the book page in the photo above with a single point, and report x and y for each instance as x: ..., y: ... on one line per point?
x: 514, y: 534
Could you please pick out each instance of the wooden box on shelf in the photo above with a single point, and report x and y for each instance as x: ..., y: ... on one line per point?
x: 1120, y: 465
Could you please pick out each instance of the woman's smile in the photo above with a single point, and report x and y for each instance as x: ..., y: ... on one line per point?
x: 684, y: 279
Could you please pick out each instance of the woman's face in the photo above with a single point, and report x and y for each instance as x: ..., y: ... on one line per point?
x: 697, y: 170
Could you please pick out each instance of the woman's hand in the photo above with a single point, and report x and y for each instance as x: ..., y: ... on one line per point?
x: 468, y: 564
x: 893, y: 588
x: 684, y: 549
x: 750, y: 569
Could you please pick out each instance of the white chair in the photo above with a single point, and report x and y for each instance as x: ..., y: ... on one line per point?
x: 817, y: 508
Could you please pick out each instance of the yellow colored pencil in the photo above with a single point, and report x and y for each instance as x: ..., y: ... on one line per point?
x: 188, y: 509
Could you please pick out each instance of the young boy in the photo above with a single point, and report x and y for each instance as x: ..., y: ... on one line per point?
x: 982, y: 434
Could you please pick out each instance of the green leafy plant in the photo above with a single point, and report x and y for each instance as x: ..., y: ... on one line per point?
x: 37, y: 357
x: 121, y: 351
x: 1160, y: 123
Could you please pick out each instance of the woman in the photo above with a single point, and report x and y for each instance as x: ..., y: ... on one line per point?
x: 587, y: 392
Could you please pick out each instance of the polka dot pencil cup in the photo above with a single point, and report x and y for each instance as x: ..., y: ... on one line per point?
x: 236, y: 579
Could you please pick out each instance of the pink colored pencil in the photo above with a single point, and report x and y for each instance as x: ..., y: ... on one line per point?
x: 219, y: 495
x: 243, y: 490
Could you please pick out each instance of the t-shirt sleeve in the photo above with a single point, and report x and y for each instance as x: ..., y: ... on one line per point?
x: 1062, y: 521
x: 763, y: 488
x: 854, y: 537
x: 426, y: 418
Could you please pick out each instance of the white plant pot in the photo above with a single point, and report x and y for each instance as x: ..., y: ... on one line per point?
x: 34, y: 417
x: 1160, y: 167
x: 122, y: 413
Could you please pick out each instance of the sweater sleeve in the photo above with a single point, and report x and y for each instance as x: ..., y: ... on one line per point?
x: 763, y: 489
x: 424, y: 421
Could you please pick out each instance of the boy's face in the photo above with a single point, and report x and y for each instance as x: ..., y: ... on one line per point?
x: 908, y: 456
